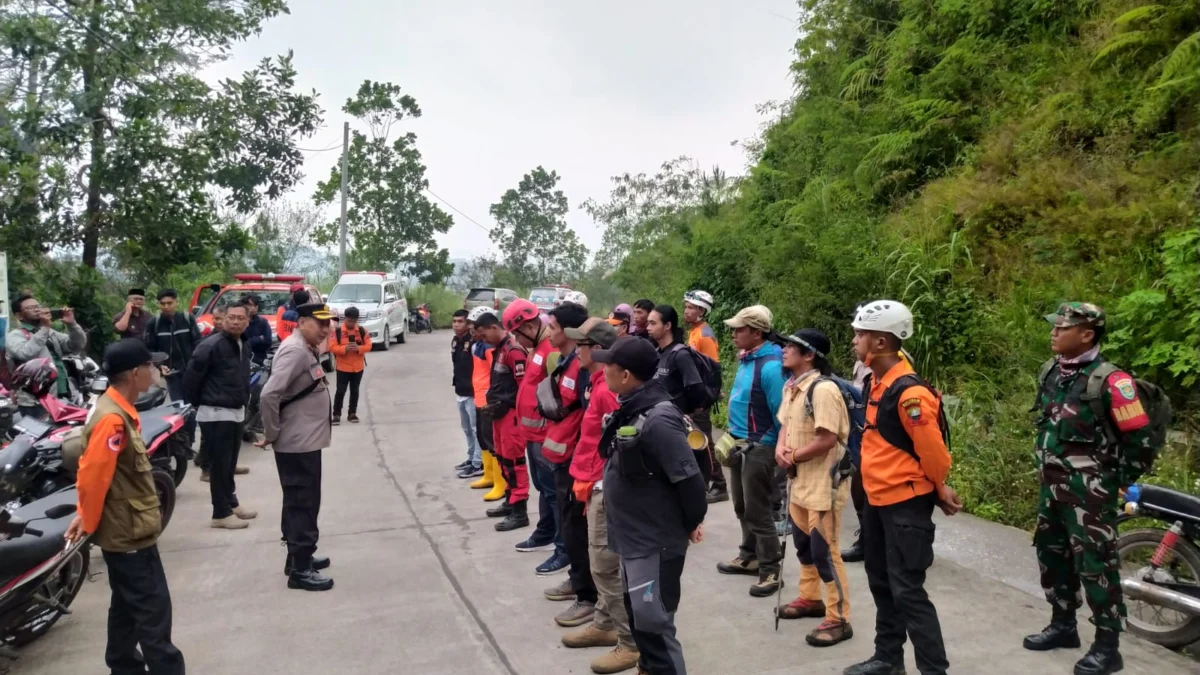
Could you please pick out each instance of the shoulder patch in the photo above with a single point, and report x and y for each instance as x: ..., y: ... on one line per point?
x: 910, y: 403
x: 1122, y: 387
x: 116, y: 440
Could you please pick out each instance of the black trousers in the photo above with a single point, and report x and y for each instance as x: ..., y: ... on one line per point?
x: 858, y: 495
x: 755, y: 494
x: 573, y: 529
x: 898, y: 548
x: 300, y: 477
x: 652, y: 594
x: 140, y: 614
x: 221, y: 442
x: 344, y: 380
x: 483, y: 431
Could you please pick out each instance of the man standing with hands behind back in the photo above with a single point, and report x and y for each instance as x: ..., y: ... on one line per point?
x: 296, y: 421
x: 118, y: 505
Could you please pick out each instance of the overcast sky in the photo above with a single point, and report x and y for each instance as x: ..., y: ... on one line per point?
x: 590, y: 90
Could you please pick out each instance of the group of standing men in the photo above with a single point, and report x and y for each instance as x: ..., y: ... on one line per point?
x: 602, y: 415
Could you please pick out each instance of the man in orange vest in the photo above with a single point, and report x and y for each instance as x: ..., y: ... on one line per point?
x: 350, y: 344
x: 286, y: 317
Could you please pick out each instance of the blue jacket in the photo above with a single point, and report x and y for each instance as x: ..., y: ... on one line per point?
x: 258, y: 334
x: 757, y: 393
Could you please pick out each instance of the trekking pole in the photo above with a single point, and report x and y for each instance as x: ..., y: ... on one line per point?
x: 787, y: 497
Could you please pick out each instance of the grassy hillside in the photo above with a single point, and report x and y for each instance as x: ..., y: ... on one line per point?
x: 980, y: 160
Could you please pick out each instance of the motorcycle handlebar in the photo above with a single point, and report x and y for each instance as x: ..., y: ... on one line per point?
x: 33, y: 530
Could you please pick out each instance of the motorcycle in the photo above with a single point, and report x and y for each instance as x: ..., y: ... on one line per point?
x: 1161, y: 567
x: 153, y: 406
x: 40, y: 573
x: 418, y: 319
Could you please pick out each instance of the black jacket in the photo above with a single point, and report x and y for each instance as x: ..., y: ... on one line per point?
x: 217, y: 375
x: 177, y: 337
x: 460, y: 354
x: 258, y: 332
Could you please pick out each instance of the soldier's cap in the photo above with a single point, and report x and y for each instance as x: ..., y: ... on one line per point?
x: 595, y: 331
x: 315, y: 310
x: 632, y: 353
x: 754, y: 316
x: 127, y: 354
x: 1076, y: 314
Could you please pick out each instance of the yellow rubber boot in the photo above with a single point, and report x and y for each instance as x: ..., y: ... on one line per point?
x: 500, y: 486
x: 489, y: 470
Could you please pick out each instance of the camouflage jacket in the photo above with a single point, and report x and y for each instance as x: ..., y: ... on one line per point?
x: 1083, y: 459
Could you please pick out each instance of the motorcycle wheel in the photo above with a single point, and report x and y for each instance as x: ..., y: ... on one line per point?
x: 1156, y: 624
x: 178, y: 461
x: 164, y: 485
x: 62, y: 587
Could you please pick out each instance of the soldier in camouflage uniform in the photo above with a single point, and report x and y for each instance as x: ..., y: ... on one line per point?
x: 1084, y: 459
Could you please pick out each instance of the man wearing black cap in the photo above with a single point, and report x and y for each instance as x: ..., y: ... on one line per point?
x: 655, y: 498
x: 296, y: 422
x: 131, y: 322
x: 119, y: 509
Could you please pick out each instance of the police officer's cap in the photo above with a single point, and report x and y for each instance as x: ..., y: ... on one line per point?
x: 314, y: 310
x: 127, y: 354
x: 632, y: 353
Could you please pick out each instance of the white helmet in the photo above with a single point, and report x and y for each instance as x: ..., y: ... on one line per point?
x: 576, y: 298
x: 700, y: 299
x: 475, y: 314
x: 885, y: 316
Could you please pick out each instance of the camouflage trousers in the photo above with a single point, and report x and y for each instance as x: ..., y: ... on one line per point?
x: 1077, y: 555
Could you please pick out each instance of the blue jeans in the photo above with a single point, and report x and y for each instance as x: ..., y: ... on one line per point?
x: 541, y: 475
x: 466, y: 417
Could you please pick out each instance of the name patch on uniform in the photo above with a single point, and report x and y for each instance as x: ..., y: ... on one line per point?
x: 317, y: 372
x: 537, y: 359
x: 568, y: 383
x: 912, y: 408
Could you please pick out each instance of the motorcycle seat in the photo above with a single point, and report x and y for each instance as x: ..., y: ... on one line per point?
x: 19, y: 555
x: 155, y: 424
x: 150, y: 400
x: 1165, y: 498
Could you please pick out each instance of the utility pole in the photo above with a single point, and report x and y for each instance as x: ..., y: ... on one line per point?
x: 345, y: 180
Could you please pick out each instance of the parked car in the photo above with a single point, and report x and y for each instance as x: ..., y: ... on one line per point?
x: 546, y: 297
x: 496, y: 298
x: 272, y: 291
x: 382, y: 307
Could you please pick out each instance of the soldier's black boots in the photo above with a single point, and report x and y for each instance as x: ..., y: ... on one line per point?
x: 319, y: 562
x: 1103, y: 658
x: 855, y: 552
x: 1060, y: 634
x: 308, y: 579
x: 500, y: 510
x: 874, y: 666
x: 516, y: 519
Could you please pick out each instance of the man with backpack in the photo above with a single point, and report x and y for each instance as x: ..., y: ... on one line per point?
x: 682, y: 371
x: 814, y: 440
x: 753, y: 406
x: 702, y: 339
x: 350, y: 344
x: 1095, y: 436
x: 905, y: 461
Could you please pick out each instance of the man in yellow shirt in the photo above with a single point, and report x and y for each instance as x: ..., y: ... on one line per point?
x: 815, y: 425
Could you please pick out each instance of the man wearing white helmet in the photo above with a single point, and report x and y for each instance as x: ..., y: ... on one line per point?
x: 576, y: 298
x: 905, y: 463
x: 701, y: 337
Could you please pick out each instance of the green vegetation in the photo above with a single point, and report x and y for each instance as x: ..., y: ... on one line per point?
x: 980, y: 160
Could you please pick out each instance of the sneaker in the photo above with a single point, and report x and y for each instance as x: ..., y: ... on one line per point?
x: 768, y: 584
x: 352, y: 418
x: 244, y: 513
x: 739, y: 565
x: 717, y: 494
x: 577, y: 614
x: 590, y: 636
x: 561, y: 592
x: 556, y: 563
x: 617, y: 661
x: 337, y: 419
x: 241, y: 471
x: 802, y: 609
x: 472, y: 471
x: 829, y: 633
x: 462, y: 465
x: 230, y: 522
x: 530, y: 545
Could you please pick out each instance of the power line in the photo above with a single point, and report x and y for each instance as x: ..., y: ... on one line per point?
x: 331, y: 147
x: 456, y: 210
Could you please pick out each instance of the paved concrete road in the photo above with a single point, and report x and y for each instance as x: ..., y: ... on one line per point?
x: 425, y: 586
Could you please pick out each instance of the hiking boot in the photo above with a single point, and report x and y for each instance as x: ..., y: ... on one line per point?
x: 561, y: 592
x: 241, y: 470
x: 229, y: 522
x: 205, y: 476
x: 352, y: 418
x: 1103, y: 658
x: 500, y: 510
x: 516, y: 519
x: 618, y: 660
x: 875, y: 666
x: 531, y: 544
x: 590, y: 636
x: 739, y: 565
x: 309, y: 580
x: 577, y: 614
x: 855, y: 552
x: 717, y: 494
x: 337, y: 419
x: 767, y: 585
x: 473, y: 471
x: 1062, y: 633
x: 802, y: 609
x: 557, y: 562
x: 829, y: 633
x: 244, y: 513
x: 319, y: 562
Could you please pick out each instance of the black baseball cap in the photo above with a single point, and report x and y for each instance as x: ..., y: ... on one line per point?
x: 632, y: 353
x: 128, y: 354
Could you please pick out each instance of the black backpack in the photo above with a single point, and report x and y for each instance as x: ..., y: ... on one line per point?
x: 887, y: 416
x: 710, y: 375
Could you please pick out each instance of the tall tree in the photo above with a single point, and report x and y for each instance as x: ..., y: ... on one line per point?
x: 278, y: 234
x: 390, y: 222
x: 532, y: 232
x: 129, y: 149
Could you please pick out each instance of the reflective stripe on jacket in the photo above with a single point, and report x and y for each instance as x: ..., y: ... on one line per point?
x: 533, y: 425
x: 562, y: 436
